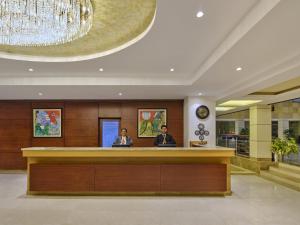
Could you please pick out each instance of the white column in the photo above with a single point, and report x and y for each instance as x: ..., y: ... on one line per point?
x: 282, y: 126
x: 191, y: 121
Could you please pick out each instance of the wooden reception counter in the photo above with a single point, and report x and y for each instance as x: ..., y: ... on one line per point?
x: 129, y: 171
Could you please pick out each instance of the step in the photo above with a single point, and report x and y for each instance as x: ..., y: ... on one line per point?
x: 285, y: 173
x: 280, y: 180
x: 295, y: 169
x: 236, y: 170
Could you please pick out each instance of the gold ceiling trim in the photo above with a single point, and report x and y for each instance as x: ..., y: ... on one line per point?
x: 276, y: 93
x: 116, y: 25
x: 280, y: 88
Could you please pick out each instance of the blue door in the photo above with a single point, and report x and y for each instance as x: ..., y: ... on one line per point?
x: 109, y: 131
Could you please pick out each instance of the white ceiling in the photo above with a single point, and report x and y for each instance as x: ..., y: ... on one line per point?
x: 260, y: 36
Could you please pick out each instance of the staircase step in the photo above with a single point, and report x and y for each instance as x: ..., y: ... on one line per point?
x: 236, y: 170
x: 295, y: 169
x: 285, y: 173
x: 280, y: 180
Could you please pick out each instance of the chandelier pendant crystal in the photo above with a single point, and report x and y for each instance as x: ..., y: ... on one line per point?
x: 44, y: 22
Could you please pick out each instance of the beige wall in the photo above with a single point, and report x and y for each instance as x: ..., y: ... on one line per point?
x: 236, y: 115
x: 282, y: 110
x: 286, y: 110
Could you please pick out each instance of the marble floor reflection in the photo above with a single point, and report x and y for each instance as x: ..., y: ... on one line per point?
x: 255, y: 201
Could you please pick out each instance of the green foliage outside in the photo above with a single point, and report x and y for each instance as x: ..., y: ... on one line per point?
x: 289, y: 133
x: 284, y: 146
x: 244, y: 131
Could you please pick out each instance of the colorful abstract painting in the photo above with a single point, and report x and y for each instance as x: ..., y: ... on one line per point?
x: 47, y: 123
x: 150, y: 121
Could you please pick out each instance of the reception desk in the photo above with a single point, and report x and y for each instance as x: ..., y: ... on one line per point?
x: 128, y: 171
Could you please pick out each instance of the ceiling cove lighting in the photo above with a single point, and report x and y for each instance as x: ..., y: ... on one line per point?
x: 233, y: 103
x: 200, y: 14
x: 44, y: 22
x: 223, y: 109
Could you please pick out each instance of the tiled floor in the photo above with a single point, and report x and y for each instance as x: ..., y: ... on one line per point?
x: 255, y: 201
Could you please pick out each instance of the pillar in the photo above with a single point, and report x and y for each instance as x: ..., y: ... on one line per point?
x: 260, y: 132
x: 191, y: 121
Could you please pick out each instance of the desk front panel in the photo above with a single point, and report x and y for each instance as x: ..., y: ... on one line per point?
x: 93, y: 171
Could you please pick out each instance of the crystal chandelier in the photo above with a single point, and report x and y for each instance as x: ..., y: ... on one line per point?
x: 44, y: 22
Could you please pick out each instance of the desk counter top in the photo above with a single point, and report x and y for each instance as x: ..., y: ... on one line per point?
x: 127, y: 152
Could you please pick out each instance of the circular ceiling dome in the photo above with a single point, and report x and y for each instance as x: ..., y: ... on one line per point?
x: 116, y: 25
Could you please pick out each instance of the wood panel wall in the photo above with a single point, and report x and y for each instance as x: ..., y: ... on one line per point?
x: 80, y: 124
x: 127, y: 111
x: 15, y: 132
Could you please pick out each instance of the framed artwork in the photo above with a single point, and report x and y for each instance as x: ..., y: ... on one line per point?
x: 47, y: 123
x: 150, y: 121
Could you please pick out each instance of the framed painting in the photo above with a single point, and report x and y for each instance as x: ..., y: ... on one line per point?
x: 47, y: 123
x: 150, y: 121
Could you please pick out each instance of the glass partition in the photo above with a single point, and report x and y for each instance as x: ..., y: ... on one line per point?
x: 227, y: 136
x: 294, y: 132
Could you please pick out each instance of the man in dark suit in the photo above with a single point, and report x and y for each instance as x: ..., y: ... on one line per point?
x: 164, y: 137
x: 123, y: 139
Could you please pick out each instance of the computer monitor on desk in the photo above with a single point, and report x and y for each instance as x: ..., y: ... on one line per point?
x: 166, y: 145
x: 120, y: 146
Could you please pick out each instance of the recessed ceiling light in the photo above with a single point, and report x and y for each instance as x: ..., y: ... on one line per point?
x: 199, y: 94
x: 30, y: 70
x: 172, y: 69
x: 238, y: 68
x: 101, y: 69
x: 120, y: 94
x: 200, y: 14
x: 40, y: 94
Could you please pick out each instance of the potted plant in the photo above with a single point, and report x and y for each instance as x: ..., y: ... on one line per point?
x: 283, y: 146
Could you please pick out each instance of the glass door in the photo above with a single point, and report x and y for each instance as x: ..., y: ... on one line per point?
x: 109, y: 131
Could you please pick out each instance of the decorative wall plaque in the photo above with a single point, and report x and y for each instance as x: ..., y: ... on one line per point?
x: 201, y: 132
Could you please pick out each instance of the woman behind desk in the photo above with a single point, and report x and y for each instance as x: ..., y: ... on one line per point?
x: 164, y: 138
x: 123, y: 139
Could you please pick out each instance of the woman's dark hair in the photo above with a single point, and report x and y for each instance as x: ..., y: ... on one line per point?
x: 124, y: 129
x: 162, y: 126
